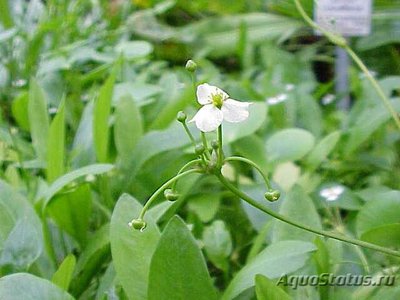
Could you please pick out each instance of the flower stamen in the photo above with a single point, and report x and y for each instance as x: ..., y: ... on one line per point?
x: 217, y: 100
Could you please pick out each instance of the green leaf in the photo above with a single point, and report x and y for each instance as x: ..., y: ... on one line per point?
x: 91, y: 260
x: 368, y: 121
x: 22, y: 246
x: 218, y: 244
x: 28, y: 287
x: 101, y: 114
x: 38, y: 119
x: 56, y: 145
x: 17, y: 217
x: 266, y: 289
x: 5, y: 14
x: 280, y: 258
x: 72, y: 212
x: 178, y: 269
x: 134, y: 49
x: 234, y: 131
x: 68, y: 178
x: 131, y: 249
x: 322, y: 150
x: 298, y: 207
x: 289, y: 144
x: 62, y: 277
x: 378, y: 212
x: 19, y: 108
x: 156, y: 142
x: 385, y: 235
x: 205, y: 206
x: 128, y: 127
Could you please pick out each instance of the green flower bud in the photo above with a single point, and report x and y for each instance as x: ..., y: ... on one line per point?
x: 272, y: 195
x: 191, y: 66
x: 199, y: 149
x: 170, y: 195
x: 138, y: 224
x: 214, y: 144
x: 181, y: 117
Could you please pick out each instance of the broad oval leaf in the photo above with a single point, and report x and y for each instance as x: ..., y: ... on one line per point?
x: 385, y: 235
x: 131, y: 249
x: 289, y: 144
x: 28, y: 287
x: 280, y: 258
x: 134, y: 49
x: 378, y: 212
x: 21, y: 237
x: 178, y: 269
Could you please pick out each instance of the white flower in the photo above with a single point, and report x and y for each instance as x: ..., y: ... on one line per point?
x: 53, y: 110
x: 328, y: 99
x: 277, y: 99
x: 217, y: 106
x: 332, y: 193
x: 289, y: 87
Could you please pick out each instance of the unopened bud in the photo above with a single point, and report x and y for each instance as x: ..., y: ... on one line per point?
x: 214, y: 144
x: 181, y: 116
x: 272, y: 195
x: 191, y: 66
x: 199, y: 149
x: 138, y: 224
x: 170, y: 195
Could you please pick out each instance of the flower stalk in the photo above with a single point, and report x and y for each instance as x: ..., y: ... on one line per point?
x: 217, y: 106
x: 282, y: 218
x: 161, y: 189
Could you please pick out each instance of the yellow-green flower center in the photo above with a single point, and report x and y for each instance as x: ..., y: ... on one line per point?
x: 217, y: 100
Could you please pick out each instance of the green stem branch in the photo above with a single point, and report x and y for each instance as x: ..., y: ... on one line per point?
x: 188, y: 165
x: 253, y: 164
x: 189, y: 134
x: 205, y: 144
x: 162, y: 188
x: 282, y: 218
x: 220, y: 150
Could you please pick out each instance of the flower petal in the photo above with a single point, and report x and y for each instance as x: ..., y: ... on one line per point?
x: 205, y: 91
x: 208, y: 118
x: 235, y: 111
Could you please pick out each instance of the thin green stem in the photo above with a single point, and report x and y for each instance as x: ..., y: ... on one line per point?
x: 282, y: 218
x: 161, y: 189
x: 375, y: 84
x: 340, y: 41
x: 253, y: 164
x: 205, y: 144
x: 193, y: 78
x: 189, y: 134
x: 220, y: 150
x: 189, y: 164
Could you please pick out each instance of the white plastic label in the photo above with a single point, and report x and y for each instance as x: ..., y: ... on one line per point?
x: 346, y: 17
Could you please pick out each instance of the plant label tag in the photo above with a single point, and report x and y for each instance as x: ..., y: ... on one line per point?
x: 345, y: 17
